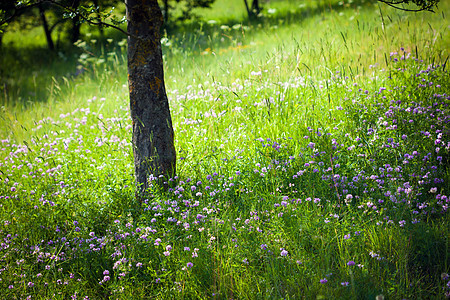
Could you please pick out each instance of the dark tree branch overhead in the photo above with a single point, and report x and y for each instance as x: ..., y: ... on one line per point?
x: 85, y: 18
x: 17, y: 10
x: 20, y: 8
x: 422, y: 5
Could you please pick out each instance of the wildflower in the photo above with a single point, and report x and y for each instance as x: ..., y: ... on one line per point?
x: 263, y: 247
x: 284, y: 252
x: 106, y: 272
x: 351, y: 263
x: 189, y: 265
x: 323, y: 281
x: 345, y: 283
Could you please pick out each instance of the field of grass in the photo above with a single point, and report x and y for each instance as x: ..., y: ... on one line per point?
x: 313, y: 161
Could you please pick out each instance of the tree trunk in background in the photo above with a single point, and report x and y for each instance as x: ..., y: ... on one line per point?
x: 153, y: 137
x: 255, y: 7
x: 166, y: 11
x: 48, y: 34
x: 75, y: 32
x: 249, y: 11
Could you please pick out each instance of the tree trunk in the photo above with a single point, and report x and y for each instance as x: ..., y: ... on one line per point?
x: 166, y: 11
x: 76, y: 25
x: 255, y: 7
x: 48, y: 33
x: 153, y: 137
x: 75, y: 32
x: 249, y: 11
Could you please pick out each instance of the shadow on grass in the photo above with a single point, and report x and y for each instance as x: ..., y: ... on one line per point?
x: 26, y: 73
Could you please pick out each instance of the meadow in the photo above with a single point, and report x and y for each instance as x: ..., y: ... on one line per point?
x: 313, y: 160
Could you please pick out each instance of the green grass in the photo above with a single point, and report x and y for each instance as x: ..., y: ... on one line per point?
x: 312, y: 162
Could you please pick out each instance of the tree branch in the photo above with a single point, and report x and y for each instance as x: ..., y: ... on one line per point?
x: 394, y: 3
x: 86, y: 19
x: 19, y: 9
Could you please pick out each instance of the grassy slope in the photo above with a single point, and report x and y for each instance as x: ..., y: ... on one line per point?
x: 256, y: 109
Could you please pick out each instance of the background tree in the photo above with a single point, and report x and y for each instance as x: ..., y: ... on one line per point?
x: 253, y: 10
x: 45, y: 25
x: 185, y: 8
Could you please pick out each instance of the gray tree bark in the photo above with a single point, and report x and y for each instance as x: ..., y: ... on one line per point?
x: 153, y: 137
